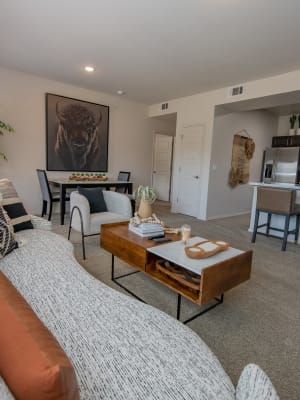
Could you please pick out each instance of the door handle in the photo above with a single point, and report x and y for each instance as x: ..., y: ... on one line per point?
x: 196, y: 176
x: 154, y: 172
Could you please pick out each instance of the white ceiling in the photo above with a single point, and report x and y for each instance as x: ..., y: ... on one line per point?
x: 278, y: 104
x: 154, y: 50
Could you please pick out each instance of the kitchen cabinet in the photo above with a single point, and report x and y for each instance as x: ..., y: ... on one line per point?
x: 286, y: 141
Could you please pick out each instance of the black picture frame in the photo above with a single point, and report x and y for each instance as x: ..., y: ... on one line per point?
x: 77, y: 134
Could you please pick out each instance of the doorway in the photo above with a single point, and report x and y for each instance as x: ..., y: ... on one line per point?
x: 190, y: 145
x: 162, y: 165
x: 162, y: 158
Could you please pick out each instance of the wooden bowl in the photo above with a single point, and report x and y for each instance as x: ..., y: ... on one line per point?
x: 206, y: 248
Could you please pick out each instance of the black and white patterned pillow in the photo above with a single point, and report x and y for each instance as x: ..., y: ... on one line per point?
x: 12, y: 204
x: 7, y: 239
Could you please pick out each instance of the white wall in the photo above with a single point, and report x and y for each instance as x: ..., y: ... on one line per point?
x: 22, y: 104
x: 200, y: 109
x: 167, y: 126
x: 284, y: 124
x: 222, y: 199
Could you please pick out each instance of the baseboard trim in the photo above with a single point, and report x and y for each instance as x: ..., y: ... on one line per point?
x: 230, y: 215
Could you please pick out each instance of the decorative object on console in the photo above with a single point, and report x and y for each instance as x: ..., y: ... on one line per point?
x: 242, y: 151
x: 206, y: 248
x: 298, y: 129
x: 293, y: 119
x: 181, y: 275
x: 8, y: 128
x: 147, y: 197
x: 87, y: 177
x: 136, y: 221
x: 185, y: 233
x: 147, y: 229
x: 175, y: 231
x: 79, y: 142
x: 153, y: 219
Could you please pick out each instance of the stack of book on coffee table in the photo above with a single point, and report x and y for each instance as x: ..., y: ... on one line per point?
x: 147, y: 230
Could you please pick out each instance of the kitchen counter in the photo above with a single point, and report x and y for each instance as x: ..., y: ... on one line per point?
x: 277, y: 220
x: 278, y: 185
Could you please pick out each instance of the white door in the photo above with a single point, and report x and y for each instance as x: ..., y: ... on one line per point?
x: 162, y: 159
x: 189, y: 172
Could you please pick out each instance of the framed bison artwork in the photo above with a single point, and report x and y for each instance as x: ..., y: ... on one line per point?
x: 77, y: 135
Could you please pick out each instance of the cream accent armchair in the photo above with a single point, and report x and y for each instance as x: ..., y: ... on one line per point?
x: 81, y: 220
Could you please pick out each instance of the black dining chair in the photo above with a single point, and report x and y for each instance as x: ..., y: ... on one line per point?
x: 48, y: 196
x: 125, y: 177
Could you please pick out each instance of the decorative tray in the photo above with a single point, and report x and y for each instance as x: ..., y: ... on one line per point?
x: 206, y: 248
x: 88, y: 178
x: 181, y: 275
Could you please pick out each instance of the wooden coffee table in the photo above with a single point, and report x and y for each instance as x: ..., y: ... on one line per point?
x: 200, y: 281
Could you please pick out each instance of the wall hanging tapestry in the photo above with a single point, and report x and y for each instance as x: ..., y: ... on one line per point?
x: 242, y: 151
x: 77, y: 135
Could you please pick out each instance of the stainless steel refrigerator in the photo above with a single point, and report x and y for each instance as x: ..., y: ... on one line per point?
x: 281, y: 164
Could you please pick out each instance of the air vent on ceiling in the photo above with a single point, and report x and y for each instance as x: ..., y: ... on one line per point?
x: 236, y: 90
x: 164, y: 106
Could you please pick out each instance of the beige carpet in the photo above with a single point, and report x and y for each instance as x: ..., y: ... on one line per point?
x: 258, y: 322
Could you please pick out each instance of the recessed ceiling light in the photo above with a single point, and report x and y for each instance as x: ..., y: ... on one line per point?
x: 120, y: 92
x: 89, y: 68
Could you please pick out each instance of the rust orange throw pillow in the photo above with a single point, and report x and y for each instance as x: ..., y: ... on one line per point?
x: 32, y: 363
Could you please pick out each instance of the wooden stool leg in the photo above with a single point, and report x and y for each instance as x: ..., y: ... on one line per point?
x: 286, y: 230
x: 255, y: 226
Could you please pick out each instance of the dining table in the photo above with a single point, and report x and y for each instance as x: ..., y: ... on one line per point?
x: 65, y: 183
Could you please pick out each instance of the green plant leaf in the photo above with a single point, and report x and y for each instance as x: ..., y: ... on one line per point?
x: 146, y: 193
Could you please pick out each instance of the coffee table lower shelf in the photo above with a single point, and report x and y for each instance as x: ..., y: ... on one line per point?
x: 160, y: 277
x: 219, y: 274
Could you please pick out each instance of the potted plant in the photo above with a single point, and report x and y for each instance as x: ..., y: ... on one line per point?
x: 147, y: 197
x: 298, y: 129
x: 4, y: 127
x: 293, y: 119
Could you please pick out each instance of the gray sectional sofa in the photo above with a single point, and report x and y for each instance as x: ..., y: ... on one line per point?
x: 120, y: 348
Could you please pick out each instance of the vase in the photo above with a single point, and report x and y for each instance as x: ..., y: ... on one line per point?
x: 292, y: 132
x: 298, y: 131
x: 145, y: 209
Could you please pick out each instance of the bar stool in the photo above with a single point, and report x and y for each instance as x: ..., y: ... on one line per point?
x: 281, y: 202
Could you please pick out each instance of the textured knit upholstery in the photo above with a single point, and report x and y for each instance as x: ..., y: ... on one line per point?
x: 32, y: 362
x: 254, y: 384
x: 5, y: 393
x: 121, y: 349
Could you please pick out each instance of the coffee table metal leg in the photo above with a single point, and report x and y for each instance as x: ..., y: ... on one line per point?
x: 112, y: 267
x: 115, y: 279
x: 178, y: 306
x: 218, y: 301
